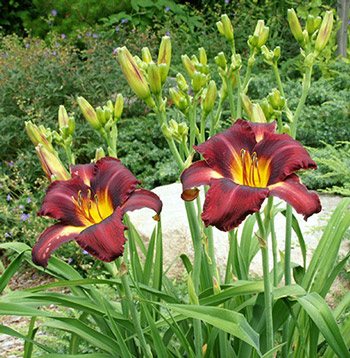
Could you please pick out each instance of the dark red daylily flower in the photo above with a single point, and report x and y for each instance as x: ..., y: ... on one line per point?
x: 90, y: 209
x: 244, y: 165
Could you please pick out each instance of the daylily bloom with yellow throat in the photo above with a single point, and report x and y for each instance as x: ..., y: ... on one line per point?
x: 90, y: 209
x: 243, y: 165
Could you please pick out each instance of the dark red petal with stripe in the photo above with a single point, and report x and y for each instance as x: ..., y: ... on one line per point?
x: 285, y: 154
x: 112, y: 181
x: 58, y: 203
x: 105, y: 240
x: 222, y: 151
x: 228, y: 204
x: 142, y: 198
x: 51, y: 239
x: 199, y: 173
x: 297, y: 195
x: 84, y: 171
x: 260, y: 128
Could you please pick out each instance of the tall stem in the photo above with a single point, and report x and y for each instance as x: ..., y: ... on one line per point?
x: 268, y: 295
x: 230, y: 96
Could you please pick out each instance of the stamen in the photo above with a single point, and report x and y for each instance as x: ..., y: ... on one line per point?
x: 98, y: 210
x: 244, y: 170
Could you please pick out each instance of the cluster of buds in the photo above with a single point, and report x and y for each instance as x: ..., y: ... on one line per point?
x: 208, y: 98
x: 145, y: 77
x: 315, y: 26
x: 104, y: 117
x: 259, y: 38
x: 269, y: 56
x: 52, y: 166
x: 226, y: 29
x: 177, y: 131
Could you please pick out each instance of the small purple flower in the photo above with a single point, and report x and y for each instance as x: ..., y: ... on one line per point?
x: 203, y: 32
x: 227, y: 1
x: 168, y: 33
x: 115, y: 50
x: 70, y: 260
x: 54, y: 53
x: 5, y: 55
x: 58, y: 44
x: 11, y: 163
x: 21, y: 207
x: 8, y: 197
x: 166, y: 9
x: 54, y: 12
x: 117, y: 28
x: 29, y: 200
x: 124, y: 21
x: 26, y: 45
x: 7, y: 234
x: 63, y: 36
x: 88, y: 34
x: 95, y: 36
x: 85, y: 252
x: 24, y: 217
x: 50, y: 22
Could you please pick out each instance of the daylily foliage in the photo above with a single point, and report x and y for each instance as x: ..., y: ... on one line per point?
x: 90, y: 209
x: 244, y: 165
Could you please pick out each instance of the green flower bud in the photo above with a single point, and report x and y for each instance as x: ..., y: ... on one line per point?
x: 311, y: 24
x: 140, y: 64
x: 209, y: 98
x: 51, y: 165
x: 133, y: 75
x: 325, y: 31
x: 286, y: 129
x: 267, y: 55
x: 178, y: 99
x: 71, y: 125
x: 247, y: 105
x: 181, y: 82
x: 173, y: 125
x: 99, y: 154
x: 197, y: 81
x: 274, y: 98
x: 225, y: 27
x: 267, y: 109
x: 253, y: 41
x: 89, y: 113
x: 262, y: 32
x: 257, y: 114
x: 118, y: 106
x: 101, y: 115
x: 109, y: 104
x: 236, y: 62
x: 167, y: 132
x: 62, y: 117
x: 194, y: 59
x: 220, y: 60
x: 38, y: 136
x: 108, y: 113
x: 277, y: 53
x: 146, y: 55
x: 164, y: 55
x: 163, y: 72
x: 203, y: 56
x: 183, y: 129
x: 154, y: 78
x: 189, y: 66
x: 295, y: 26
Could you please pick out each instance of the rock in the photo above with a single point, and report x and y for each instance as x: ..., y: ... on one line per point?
x: 177, y: 238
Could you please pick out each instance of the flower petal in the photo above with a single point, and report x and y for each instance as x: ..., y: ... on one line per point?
x: 105, y: 240
x: 222, y: 152
x: 59, y: 204
x: 260, y: 128
x: 197, y: 174
x: 228, y: 204
x: 52, y: 238
x: 296, y: 194
x: 142, y: 198
x: 284, y: 155
x: 84, y: 171
x: 112, y: 182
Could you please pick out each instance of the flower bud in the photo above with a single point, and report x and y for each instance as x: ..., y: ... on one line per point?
x: 37, y: 136
x: 253, y: 41
x: 189, y: 66
x: 89, y: 113
x: 71, y: 125
x: 133, y: 74
x: 267, y: 55
x: 194, y: 60
x: 183, y: 129
x: 62, y: 117
x: 210, y: 96
x: 99, y: 154
x: 51, y: 165
x: 154, y: 78
x: 257, y: 114
x: 267, y: 108
x: 163, y: 72
x: 179, y: 101
x: 118, y: 106
x: 101, y: 115
x: 164, y: 55
x: 108, y: 113
x: 277, y: 102
x: 262, y: 32
x: 220, y: 60
x: 295, y: 26
x: 277, y: 53
x: 325, y: 31
x: 312, y: 24
x: 247, y: 105
x: 146, y: 55
x: 225, y: 27
x: 236, y: 62
x: 197, y: 81
x: 166, y: 132
x: 203, y: 56
x: 181, y: 82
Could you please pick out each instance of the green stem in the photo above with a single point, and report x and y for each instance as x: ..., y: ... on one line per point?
x: 306, y: 87
x: 217, y: 117
x: 239, y: 92
x: 268, y: 295
x: 69, y: 154
x: 202, y: 134
x: 278, y: 79
x: 273, y: 240
x: 230, y: 96
x: 134, y: 315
